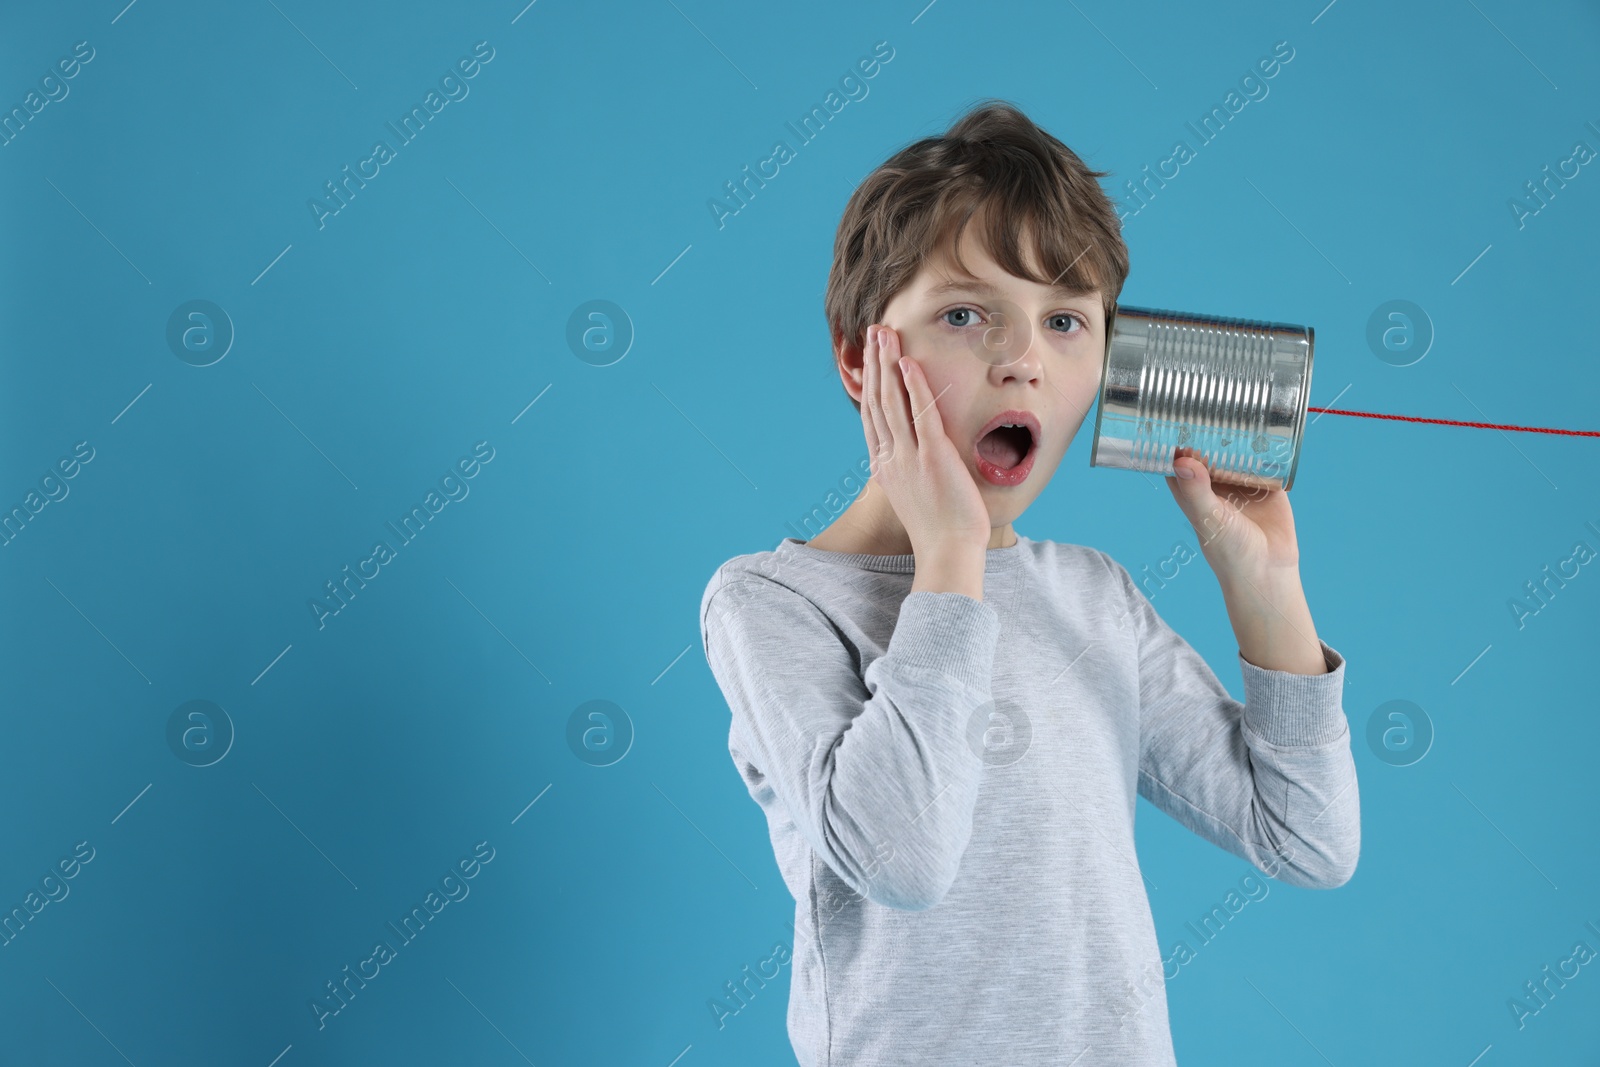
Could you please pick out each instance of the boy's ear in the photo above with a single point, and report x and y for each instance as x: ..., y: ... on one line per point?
x: 850, y: 360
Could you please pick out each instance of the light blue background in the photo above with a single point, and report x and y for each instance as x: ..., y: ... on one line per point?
x: 430, y: 312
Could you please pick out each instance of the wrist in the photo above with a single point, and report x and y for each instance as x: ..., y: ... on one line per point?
x: 950, y: 569
x: 1272, y: 622
x: 1273, y: 583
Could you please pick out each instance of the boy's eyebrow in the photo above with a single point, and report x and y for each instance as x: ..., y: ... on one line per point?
x: 986, y: 289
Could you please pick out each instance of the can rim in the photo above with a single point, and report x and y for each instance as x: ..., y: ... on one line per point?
x: 1100, y: 394
x: 1305, y: 401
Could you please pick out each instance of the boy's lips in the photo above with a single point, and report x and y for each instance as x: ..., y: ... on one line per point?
x: 993, y: 472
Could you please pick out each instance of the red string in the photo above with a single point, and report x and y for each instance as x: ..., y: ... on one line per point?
x: 1451, y: 422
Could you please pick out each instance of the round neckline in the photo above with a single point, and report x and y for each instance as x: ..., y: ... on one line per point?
x: 906, y: 563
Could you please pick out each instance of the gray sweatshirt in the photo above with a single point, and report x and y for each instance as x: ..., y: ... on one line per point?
x: 950, y: 788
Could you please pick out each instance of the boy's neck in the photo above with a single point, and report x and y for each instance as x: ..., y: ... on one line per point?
x: 865, y: 528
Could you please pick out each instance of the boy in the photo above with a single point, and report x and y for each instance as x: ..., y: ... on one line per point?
x: 946, y: 722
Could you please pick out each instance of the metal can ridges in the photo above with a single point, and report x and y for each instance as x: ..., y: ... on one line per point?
x: 1234, y: 390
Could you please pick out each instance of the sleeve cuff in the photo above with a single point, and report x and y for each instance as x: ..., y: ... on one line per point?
x: 947, y: 632
x: 1290, y: 709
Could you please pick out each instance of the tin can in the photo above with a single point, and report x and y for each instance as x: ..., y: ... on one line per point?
x: 1232, y: 392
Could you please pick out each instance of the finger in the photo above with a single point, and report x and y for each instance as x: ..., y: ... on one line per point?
x: 1195, y: 496
x: 869, y: 425
x: 872, y: 374
x: 924, y: 411
x: 896, y: 403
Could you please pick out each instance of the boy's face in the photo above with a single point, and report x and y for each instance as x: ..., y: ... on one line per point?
x: 995, y: 344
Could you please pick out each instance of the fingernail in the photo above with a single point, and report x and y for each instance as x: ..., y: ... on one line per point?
x: 1184, y: 472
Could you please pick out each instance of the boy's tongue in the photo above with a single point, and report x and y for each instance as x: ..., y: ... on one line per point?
x: 1003, y: 447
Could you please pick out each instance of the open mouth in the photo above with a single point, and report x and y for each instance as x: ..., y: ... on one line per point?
x: 1006, y: 446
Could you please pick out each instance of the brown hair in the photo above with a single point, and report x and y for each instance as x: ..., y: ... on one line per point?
x: 921, y: 198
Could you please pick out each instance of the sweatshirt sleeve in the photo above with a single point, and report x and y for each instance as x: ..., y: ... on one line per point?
x: 1272, y: 779
x: 874, y: 769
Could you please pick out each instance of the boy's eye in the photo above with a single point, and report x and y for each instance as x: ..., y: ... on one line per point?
x: 1062, y: 322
